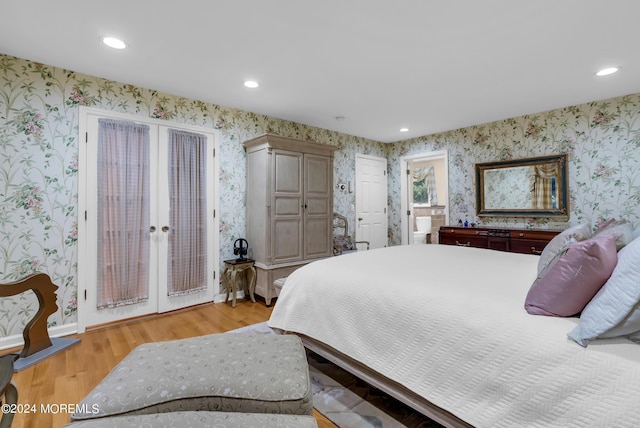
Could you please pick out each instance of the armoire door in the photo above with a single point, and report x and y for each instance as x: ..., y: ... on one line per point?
x: 318, y: 206
x: 148, y: 221
x: 287, y: 206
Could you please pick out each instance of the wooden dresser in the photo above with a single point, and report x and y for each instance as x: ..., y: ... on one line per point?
x: 530, y: 241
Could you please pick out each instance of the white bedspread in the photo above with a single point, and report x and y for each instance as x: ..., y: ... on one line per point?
x: 449, y: 323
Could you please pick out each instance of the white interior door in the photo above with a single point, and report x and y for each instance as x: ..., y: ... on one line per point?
x: 371, y: 201
x: 159, y: 228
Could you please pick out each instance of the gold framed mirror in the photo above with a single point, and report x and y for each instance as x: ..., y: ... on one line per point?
x: 531, y: 187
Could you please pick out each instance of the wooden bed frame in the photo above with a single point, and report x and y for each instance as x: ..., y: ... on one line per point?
x: 388, y: 386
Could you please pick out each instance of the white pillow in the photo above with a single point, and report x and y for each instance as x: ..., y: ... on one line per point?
x: 636, y: 232
x: 561, y: 241
x: 613, y: 311
x: 628, y: 326
x: 620, y: 229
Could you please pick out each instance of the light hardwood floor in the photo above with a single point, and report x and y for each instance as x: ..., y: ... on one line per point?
x: 68, y: 376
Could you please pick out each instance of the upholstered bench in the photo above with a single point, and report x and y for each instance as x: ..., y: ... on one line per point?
x: 248, y: 373
x: 201, y: 420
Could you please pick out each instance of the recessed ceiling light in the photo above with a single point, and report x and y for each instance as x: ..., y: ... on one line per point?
x: 251, y: 84
x: 112, y: 42
x: 404, y: 129
x: 607, y: 71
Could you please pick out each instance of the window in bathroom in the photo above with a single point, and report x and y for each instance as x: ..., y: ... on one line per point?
x: 424, y: 186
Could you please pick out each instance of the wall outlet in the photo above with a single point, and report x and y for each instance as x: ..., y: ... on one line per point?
x: 462, y: 208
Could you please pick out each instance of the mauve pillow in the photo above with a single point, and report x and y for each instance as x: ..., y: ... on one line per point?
x: 571, y: 281
x: 560, y: 242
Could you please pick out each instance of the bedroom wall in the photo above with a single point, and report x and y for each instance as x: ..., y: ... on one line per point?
x: 38, y: 166
x: 602, y: 140
x: 38, y: 170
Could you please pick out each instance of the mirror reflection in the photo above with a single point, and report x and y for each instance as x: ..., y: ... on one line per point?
x: 526, y: 187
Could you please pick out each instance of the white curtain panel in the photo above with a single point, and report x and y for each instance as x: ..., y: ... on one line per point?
x: 187, y: 193
x: 123, y: 212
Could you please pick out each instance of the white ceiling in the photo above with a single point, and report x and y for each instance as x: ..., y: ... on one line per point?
x: 427, y: 65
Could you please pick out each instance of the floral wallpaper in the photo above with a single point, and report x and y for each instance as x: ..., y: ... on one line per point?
x: 39, y: 180
x: 39, y: 159
x: 601, y: 139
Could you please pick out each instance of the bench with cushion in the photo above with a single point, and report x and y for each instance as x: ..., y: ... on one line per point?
x: 246, y: 373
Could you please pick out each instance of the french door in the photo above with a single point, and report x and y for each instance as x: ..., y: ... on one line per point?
x: 148, y: 233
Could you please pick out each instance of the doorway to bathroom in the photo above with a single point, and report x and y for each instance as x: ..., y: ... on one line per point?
x: 424, y: 196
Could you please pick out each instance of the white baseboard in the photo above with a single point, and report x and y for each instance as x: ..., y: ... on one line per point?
x: 57, y: 331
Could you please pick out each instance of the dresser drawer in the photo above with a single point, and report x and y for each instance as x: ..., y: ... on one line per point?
x: 537, y: 234
x: 527, y: 246
x: 467, y: 237
x: 530, y: 241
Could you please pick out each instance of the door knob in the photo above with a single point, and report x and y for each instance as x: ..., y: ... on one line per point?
x: 152, y: 229
x: 165, y: 228
x: 360, y: 218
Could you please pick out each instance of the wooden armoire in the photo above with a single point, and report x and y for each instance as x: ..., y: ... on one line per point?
x: 289, y: 219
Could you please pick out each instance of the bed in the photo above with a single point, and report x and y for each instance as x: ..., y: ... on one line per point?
x: 443, y: 329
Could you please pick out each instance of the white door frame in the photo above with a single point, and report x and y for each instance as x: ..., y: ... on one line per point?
x: 404, y: 190
x: 83, y: 262
x: 386, y: 211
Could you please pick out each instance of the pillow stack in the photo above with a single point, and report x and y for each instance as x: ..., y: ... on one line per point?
x: 596, y: 276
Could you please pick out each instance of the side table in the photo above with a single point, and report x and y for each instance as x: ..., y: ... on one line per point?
x: 231, y: 270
